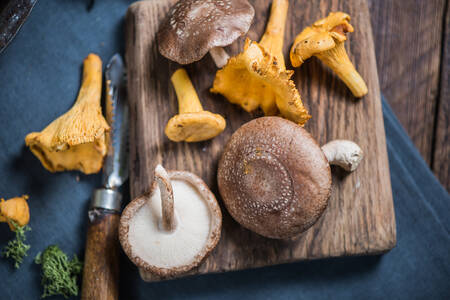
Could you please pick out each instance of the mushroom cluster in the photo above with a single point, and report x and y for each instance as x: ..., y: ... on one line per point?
x: 257, y: 77
x: 172, y: 229
x: 275, y: 179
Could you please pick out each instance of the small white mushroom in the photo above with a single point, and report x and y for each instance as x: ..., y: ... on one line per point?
x: 343, y: 153
x: 171, y: 230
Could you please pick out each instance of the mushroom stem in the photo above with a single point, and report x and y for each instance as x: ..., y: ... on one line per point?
x: 91, y: 85
x: 273, y: 37
x: 338, y: 60
x: 188, y: 101
x: 219, y: 56
x: 343, y: 153
x: 167, y: 204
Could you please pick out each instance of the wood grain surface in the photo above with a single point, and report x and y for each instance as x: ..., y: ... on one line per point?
x: 408, y: 41
x: 360, y: 217
x: 441, y: 158
x: 101, y: 259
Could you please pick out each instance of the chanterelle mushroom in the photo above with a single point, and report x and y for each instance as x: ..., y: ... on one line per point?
x: 16, y: 213
x: 257, y: 77
x: 76, y: 140
x: 194, y: 27
x: 192, y: 124
x: 325, y: 40
x: 171, y: 230
x: 274, y: 178
x: 15, y: 209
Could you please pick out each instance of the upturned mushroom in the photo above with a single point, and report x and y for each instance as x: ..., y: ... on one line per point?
x: 257, y: 77
x: 192, y: 124
x: 16, y: 213
x: 195, y: 27
x: 15, y: 210
x: 76, y: 140
x: 173, y: 228
x: 325, y: 40
x: 275, y: 179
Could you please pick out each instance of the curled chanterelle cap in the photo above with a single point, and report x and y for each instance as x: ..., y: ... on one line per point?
x: 193, y: 27
x: 274, y: 178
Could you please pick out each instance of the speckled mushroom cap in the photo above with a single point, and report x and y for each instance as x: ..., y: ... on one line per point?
x: 193, y: 27
x: 274, y: 178
x: 146, y: 268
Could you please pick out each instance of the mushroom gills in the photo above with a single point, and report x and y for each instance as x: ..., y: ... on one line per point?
x: 77, y: 139
x: 179, y: 247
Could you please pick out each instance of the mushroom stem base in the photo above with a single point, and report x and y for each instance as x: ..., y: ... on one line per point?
x: 167, y: 203
x: 273, y: 37
x: 338, y: 60
x: 219, y: 56
x: 343, y: 153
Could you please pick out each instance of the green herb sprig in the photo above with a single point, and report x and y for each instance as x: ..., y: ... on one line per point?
x: 16, y: 249
x: 59, y: 274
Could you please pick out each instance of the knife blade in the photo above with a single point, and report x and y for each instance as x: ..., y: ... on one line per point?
x: 101, y: 266
x: 115, y: 171
x: 115, y: 167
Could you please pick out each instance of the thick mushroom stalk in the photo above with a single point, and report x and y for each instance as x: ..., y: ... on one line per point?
x: 192, y: 124
x: 273, y: 38
x: 325, y: 40
x: 77, y: 139
x: 257, y: 77
x: 195, y: 27
x: 15, y: 209
x: 343, y: 153
x: 166, y: 192
x: 219, y: 56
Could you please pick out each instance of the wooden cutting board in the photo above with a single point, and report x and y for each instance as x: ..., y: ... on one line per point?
x: 360, y: 217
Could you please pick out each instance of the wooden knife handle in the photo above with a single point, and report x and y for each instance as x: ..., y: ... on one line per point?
x: 101, y: 262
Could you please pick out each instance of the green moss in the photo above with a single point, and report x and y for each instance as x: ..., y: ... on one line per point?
x: 59, y: 274
x: 16, y: 249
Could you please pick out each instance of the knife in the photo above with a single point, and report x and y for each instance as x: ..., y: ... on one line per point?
x: 101, y: 263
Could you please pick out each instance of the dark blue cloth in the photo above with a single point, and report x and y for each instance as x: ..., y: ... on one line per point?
x: 39, y: 80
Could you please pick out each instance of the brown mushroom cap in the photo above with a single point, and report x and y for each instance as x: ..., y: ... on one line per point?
x: 193, y: 27
x: 274, y: 178
x: 147, y: 270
